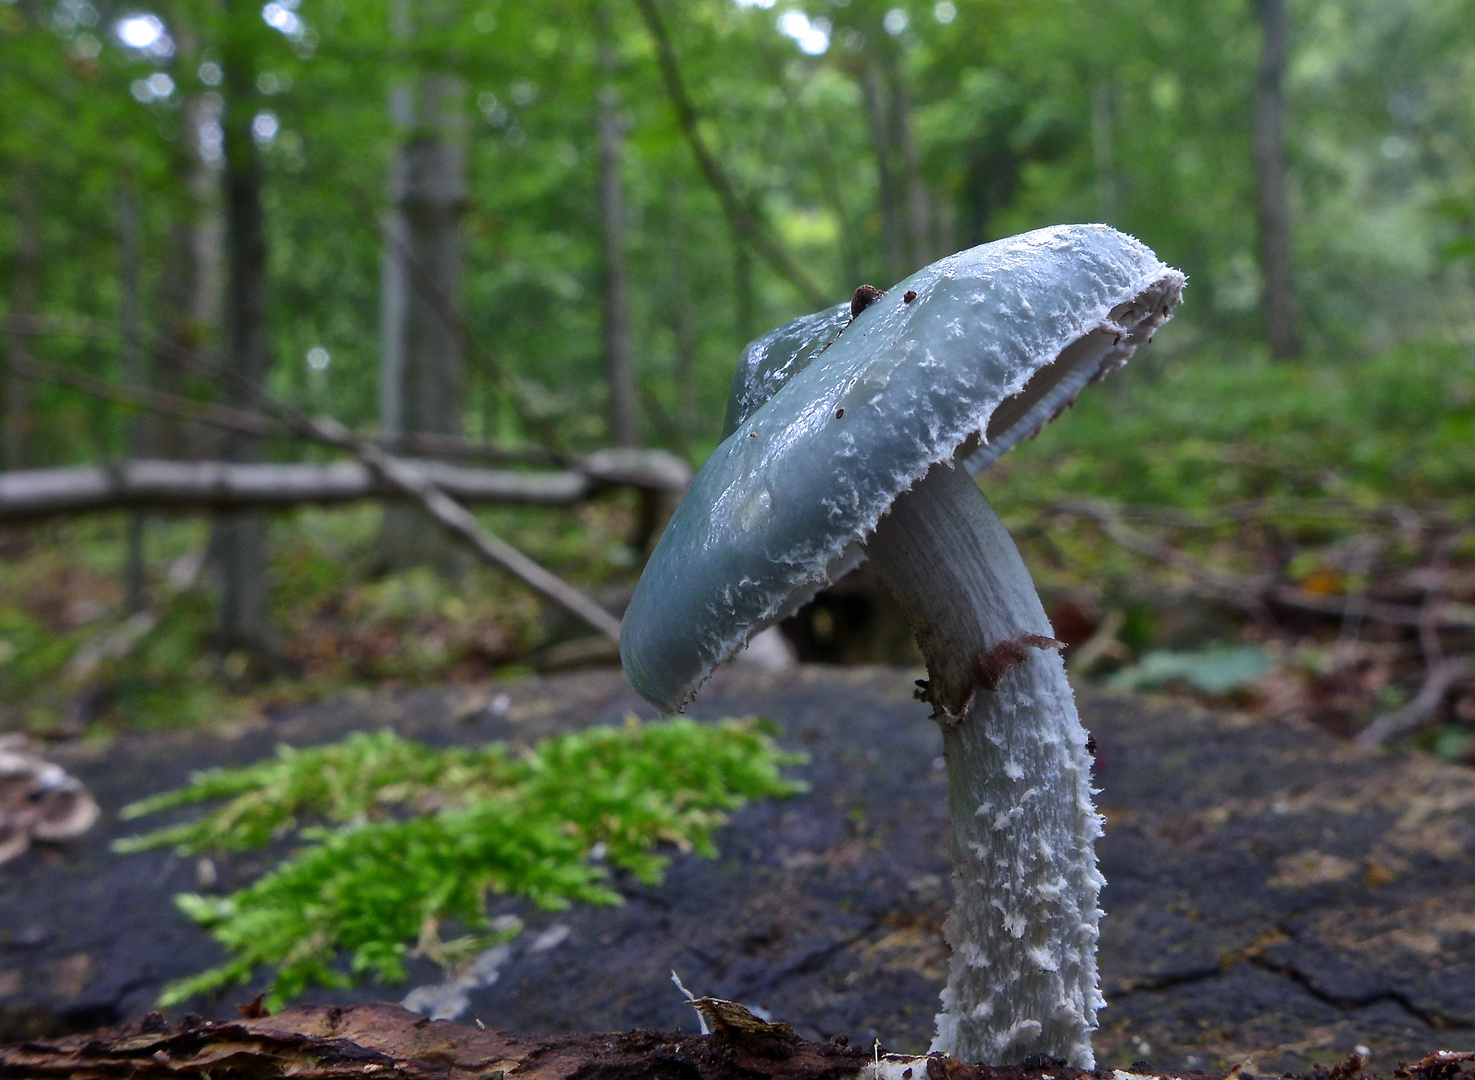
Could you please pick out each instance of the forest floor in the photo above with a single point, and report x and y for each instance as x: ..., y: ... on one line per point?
x: 1272, y: 892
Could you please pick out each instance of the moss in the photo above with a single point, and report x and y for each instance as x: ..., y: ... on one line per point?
x: 395, y: 839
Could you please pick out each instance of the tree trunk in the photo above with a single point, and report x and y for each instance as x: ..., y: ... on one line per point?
x: 919, y: 249
x: 891, y: 228
x: 190, y: 288
x: 239, y: 541
x: 1277, y: 301
x: 27, y: 264
x: 134, y: 378
x: 423, y: 373
x: 683, y: 318
x: 618, y: 368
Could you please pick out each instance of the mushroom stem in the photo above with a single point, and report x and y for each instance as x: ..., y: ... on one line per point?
x: 1023, y: 927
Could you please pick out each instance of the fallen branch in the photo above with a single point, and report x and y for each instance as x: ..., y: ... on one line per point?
x: 410, y: 480
x: 222, y: 416
x: 406, y: 478
x: 721, y: 184
x: 1441, y: 678
x: 181, y: 486
x: 1441, y: 672
x: 458, y: 521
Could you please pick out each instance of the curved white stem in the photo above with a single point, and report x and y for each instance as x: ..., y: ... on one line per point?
x: 1023, y: 927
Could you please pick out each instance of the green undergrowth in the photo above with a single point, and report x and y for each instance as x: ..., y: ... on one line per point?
x: 1246, y: 466
x: 1197, y: 433
x: 394, y: 841
x: 341, y: 621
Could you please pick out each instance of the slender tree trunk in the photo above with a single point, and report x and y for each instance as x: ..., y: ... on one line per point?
x: 18, y: 420
x: 919, y: 250
x: 239, y: 543
x: 135, y: 378
x: 891, y: 227
x: 190, y: 285
x: 683, y: 319
x: 1277, y: 301
x: 618, y: 367
x: 422, y: 379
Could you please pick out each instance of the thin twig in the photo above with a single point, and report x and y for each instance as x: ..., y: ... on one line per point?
x: 1441, y: 672
x: 1437, y: 682
x: 23, y: 363
x: 460, y: 522
x: 404, y: 477
x: 686, y: 117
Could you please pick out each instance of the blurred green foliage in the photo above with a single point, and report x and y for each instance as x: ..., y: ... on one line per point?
x: 1205, y: 433
x: 1021, y: 112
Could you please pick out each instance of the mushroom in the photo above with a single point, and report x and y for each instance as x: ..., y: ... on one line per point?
x: 38, y: 800
x: 845, y: 437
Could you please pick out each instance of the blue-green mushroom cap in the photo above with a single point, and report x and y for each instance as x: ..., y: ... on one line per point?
x: 826, y: 431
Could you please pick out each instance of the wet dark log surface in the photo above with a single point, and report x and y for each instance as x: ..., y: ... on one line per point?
x: 1270, y: 892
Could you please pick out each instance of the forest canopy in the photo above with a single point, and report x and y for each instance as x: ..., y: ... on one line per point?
x: 537, y: 231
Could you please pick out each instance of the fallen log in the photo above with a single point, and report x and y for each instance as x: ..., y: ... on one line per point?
x: 181, y: 486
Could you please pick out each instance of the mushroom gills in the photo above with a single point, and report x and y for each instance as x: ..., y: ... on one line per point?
x: 1082, y: 362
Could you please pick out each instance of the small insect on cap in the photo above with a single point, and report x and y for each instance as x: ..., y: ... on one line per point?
x: 826, y: 428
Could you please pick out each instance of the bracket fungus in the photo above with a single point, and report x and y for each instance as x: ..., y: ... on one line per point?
x: 845, y: 434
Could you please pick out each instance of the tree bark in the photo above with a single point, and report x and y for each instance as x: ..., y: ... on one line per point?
x: 1278, y: 310
x: 23, y: 289
x: 919, y: 248
x: 891, y: 226
x: 618, y: 366
x: 422, y: 377
x: 134, y: 378
x: 683, y: 318
x: 190, y: 289
x: 239, y: 541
